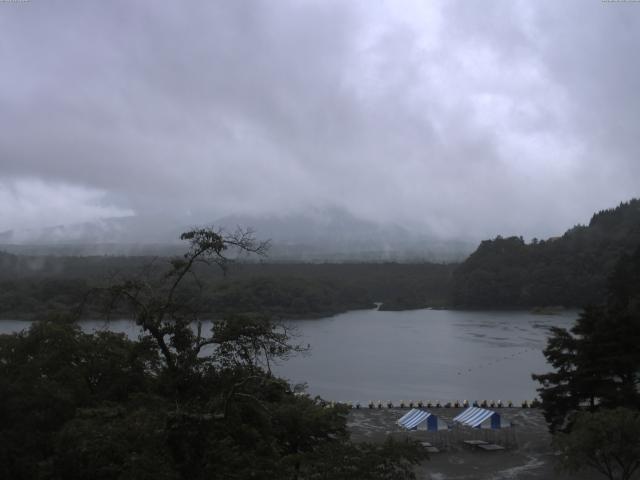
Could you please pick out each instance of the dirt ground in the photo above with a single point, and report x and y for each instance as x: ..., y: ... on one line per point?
x: 528, y: 453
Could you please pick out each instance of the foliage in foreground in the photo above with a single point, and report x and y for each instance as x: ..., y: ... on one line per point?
x: 77, y: 405
x: 179, y: 403
x: 607, y: 441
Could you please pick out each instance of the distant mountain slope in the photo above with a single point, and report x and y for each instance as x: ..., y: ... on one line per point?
x: 335, y: 235
x: 571, y: 270
x: 317, y: 235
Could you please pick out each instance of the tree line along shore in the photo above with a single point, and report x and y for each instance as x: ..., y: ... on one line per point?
x: 569, y: 271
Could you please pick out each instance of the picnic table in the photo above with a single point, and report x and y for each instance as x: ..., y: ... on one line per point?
x: 482, y: 445
x: 429, y: 448
x: 475, y: 443
x: 490, y: 447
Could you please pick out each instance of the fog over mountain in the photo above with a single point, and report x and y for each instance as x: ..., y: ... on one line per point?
x: 318, y: 235
x: 422, y: 121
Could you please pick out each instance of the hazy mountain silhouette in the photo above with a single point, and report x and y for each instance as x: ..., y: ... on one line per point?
x: 330, y: 234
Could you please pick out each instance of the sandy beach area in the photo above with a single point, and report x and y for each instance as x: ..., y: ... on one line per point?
x: 527, y: 455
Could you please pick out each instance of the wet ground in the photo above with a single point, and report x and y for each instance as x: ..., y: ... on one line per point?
x: 528, y: 453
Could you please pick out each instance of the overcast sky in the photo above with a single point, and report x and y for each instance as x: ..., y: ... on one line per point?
x: 467, y: 118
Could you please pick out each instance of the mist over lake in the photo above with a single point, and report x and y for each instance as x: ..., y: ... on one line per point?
x: 429, y: 355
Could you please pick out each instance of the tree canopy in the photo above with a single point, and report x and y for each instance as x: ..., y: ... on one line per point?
x: 179, y: 402
x: 607, y: 441
x: 570, y: 270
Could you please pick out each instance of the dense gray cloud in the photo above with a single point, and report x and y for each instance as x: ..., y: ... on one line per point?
x: 458, y: 118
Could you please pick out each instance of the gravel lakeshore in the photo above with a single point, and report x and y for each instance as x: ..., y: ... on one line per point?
x: 528, y: 453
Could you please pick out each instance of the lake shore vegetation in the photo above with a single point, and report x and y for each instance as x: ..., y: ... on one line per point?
x: 177, y: 403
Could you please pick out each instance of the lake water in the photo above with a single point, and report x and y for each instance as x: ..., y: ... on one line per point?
x: 426, y: 355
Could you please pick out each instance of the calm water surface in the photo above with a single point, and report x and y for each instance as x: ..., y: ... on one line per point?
x: 412, y: 355
x: 424, y: 355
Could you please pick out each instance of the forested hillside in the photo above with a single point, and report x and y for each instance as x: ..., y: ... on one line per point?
x: 571, y: 270
x: 33, y: 285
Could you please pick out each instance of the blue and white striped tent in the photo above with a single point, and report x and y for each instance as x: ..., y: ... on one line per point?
x: 476, y: 417
x: 417, y: 419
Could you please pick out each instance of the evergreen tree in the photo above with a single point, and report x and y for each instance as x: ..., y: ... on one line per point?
x: 597, y: 362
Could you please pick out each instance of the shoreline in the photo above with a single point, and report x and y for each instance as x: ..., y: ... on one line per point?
x: 539, y: 311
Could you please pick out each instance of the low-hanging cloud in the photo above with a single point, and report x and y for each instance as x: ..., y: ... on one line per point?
x: 23, y: 204
x: 458, y: 118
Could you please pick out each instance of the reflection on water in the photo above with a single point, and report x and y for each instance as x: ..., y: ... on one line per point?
x: 413, y: 355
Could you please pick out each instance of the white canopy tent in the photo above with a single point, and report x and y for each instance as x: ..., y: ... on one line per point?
x: 476, y: 417
x: 417, y: 419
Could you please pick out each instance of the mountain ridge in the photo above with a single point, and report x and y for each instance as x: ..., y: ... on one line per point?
x: 320, y: 235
